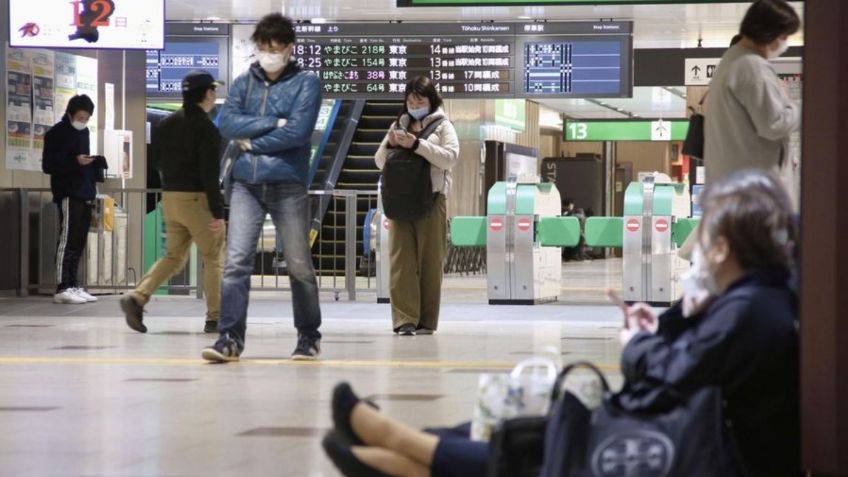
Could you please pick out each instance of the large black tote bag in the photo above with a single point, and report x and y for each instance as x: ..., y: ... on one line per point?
x: 690, y: 439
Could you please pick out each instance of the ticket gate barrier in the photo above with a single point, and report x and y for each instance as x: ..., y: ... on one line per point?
x: 523, y: 234
x: 522, y: 240
x: 651, y: 268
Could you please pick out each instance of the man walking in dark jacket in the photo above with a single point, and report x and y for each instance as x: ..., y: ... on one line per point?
x: 73, y: 178
x: 271, y: 111
x: 185, y: 151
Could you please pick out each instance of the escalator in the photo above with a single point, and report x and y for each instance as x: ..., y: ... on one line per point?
x: 352, y: 168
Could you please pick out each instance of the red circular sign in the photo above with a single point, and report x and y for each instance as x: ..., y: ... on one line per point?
x: 661, y: 225
x: 496, y: 224
x: 386, y: 224
x: 632, y: 225
x: 524, y: 224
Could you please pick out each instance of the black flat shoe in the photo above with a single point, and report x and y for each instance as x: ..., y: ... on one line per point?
x: 338, y: 449
x: 406, y: 330
x: 344, y: 400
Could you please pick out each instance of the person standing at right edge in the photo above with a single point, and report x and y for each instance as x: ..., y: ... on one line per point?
x: 417, y: 248
x: 271, y: 112
x: 73, y: 180
x: 749, y: 116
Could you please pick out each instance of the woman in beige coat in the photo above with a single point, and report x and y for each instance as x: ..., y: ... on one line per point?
x: 417, y: 248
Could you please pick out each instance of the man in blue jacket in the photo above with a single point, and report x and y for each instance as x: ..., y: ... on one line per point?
x: 73, y: 179
x: 271, y: 112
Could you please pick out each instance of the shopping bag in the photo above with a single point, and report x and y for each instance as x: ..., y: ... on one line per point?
x: 526, y: 391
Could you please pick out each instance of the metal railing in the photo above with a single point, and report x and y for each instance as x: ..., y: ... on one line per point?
x: 118, y: 257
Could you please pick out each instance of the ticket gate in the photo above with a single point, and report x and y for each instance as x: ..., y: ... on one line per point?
x: 523, y: 234
x: 651, y: 267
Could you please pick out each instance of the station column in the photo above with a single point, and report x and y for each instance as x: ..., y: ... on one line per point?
x: 824, y: 270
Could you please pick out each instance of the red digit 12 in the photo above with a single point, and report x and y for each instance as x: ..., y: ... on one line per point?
x: 105, y: 9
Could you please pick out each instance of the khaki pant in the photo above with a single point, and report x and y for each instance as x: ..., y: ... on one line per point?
x: 416, y: 260
x: 187, y: 219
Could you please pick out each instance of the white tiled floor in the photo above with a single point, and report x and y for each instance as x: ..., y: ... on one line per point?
x: 112, y: 402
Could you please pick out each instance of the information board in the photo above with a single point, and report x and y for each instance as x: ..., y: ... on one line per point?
x: 188, y: 47
x: 575, y: 59
x: 367, y: 60
x: 625, y: 130
x: 490, y: 60
x: 166, y: 68
x: 475, y: 3
x: 101, y: 24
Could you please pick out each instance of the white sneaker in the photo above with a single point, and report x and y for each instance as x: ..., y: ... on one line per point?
x: 84, y: 294
x: 68, y: 297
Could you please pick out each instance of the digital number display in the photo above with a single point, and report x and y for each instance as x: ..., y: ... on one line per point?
x: 564, y: 60
x: 166, y: 68
x: 377, y: 60
x: 486, y: 60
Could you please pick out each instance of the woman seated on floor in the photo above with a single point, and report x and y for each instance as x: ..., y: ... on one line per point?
x: 740, y: 334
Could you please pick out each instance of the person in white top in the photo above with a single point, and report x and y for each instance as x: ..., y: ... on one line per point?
x: 418, y: 247
x: 749, y: 116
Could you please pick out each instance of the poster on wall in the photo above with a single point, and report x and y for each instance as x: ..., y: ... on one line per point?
x: 19, y: 153
x: 243, y: 49
x: 87, y: 84
x: 117, y: 147
x: 116, y: 24
x: 43, y: 72
x: 66, y: 83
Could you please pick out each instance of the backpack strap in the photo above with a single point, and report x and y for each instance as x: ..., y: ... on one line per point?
x: 430, y: 129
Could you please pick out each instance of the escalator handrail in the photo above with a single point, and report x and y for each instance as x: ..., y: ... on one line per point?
x: 325, y: 138
x: 335, y: 170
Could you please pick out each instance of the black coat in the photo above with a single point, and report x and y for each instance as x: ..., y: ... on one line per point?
x: 186, y: 151
x: 746, y: 343
x: 62, y: 145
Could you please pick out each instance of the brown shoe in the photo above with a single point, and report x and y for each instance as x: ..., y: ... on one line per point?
x: 133, y: 313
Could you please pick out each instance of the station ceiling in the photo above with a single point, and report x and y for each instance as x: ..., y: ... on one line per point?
x: 656, y: 26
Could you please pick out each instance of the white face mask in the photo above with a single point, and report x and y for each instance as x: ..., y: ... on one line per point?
x: 79, y: 125
x: 273, y: 62
x: 782, y: 46
x: 698, y: 283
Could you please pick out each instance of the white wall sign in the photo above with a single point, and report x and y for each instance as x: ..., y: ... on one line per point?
x: 109, y: 107
x: 117, y: 147
x: 660, y: 130
x: 121, y: 24
x: 700, y: 71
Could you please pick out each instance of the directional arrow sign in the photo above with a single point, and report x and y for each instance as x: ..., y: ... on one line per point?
x: 699, y: 71
x: 660, y: 131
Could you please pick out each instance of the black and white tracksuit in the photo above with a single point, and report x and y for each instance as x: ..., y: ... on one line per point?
x: 74, y: 190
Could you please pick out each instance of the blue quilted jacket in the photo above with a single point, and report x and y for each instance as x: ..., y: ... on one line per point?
x: 254, y: 104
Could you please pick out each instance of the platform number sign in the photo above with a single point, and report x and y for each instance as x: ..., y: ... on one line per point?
x: 579, y: 131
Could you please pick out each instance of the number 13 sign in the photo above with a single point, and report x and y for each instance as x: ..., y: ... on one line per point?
x: 103, y: 24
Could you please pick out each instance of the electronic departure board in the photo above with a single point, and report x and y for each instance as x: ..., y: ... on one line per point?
x: 492, y: 60
x: 575, y: 60
x: 188, y: 47
x: 376, y: 60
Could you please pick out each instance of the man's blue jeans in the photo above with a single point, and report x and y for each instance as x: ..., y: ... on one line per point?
x: 288, y: 205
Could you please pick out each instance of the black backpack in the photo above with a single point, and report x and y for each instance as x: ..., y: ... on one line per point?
x: 407, y: 189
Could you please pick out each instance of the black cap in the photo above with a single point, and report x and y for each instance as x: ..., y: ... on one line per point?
x: 199, y: 80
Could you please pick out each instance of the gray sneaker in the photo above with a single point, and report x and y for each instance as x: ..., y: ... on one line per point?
x: 224, y: 350
x: 307, y: 349
x: 134, y: 313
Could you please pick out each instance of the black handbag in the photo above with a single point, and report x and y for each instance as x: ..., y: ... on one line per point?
x: 693, y: 145
x: 690, y: 438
